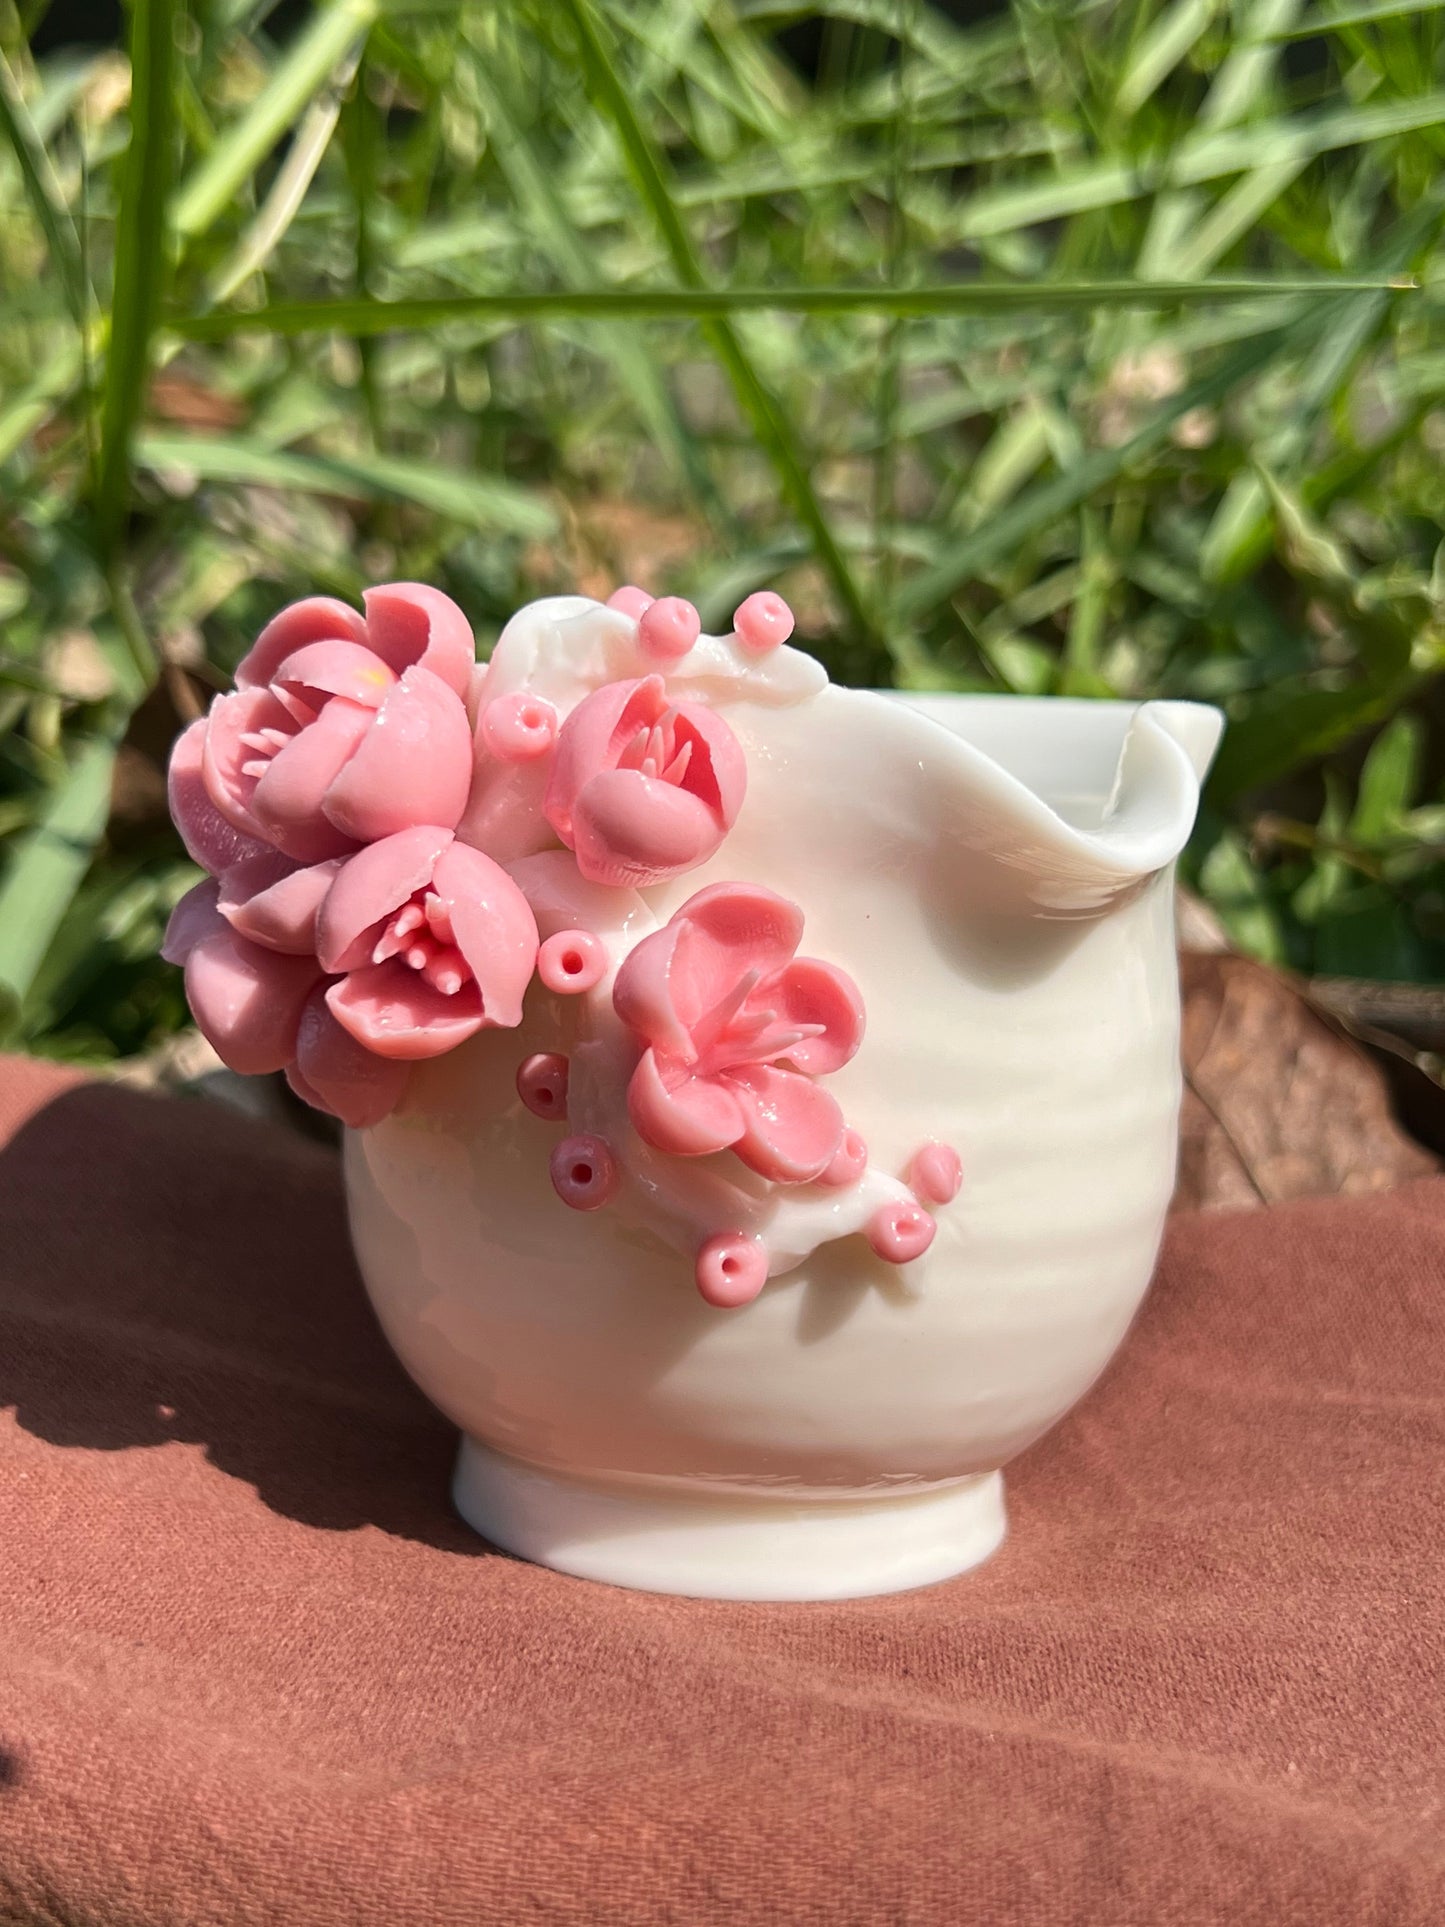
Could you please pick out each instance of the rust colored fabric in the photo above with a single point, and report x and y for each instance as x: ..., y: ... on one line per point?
x: 251, y: 1670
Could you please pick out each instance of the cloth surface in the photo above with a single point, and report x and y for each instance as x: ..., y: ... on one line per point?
x: 252, y: 1670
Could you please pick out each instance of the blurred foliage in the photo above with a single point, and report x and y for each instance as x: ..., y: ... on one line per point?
x: 1093, y: 348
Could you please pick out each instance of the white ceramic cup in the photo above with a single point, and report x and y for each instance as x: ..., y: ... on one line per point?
x: 996, y: 875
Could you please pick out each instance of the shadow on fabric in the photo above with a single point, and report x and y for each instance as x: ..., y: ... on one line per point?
x: 171, y: 1271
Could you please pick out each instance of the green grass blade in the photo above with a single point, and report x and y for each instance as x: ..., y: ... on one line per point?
x: 1248, y: 71
x: 369, y: 317
x: 1161, y: 48
x: 1242, y: 82
x: 768, y: 421
x: 812, y: 164
x: 538, y: 201
x: 63, y: 81
x: 140, y: 255
x: 1335, y: 19
x: 1011, y: 456
x: 1202, y: 157
x: 1291, y: 726
x: 1080, y: 669
x: 464, y: 498
x: 44, y: 194
x: 926, y: 31
x: 1388, y: 779
x: 36, y: 401
x: 301, y: 73
x: 1237, y: 891
x: 47, y: 867
x: 1049, y: 500
x: 1239, y: 532
x: 264, y: 234
x: 1233, y: 216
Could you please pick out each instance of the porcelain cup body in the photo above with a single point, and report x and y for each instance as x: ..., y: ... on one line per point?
x: 997, y: 875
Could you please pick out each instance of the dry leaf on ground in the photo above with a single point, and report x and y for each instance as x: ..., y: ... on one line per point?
x: 1278, y: 1103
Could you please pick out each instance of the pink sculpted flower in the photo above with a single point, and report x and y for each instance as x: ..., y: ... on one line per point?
x: 431, y: 941
x: 342, y: 729
x: 342, y: 972
x: 642, y: 789
x: 737, y: 1027
x: 265, y: 1010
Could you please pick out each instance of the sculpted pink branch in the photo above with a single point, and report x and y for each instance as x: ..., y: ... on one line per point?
x: 405, y: 849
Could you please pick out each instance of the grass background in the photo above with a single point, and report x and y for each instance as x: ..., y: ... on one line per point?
x: 1088, y: 348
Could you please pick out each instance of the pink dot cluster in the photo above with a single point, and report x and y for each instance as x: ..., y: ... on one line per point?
x: 668, y: 627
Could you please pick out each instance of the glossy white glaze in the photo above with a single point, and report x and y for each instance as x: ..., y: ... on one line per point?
x: 995, y: 875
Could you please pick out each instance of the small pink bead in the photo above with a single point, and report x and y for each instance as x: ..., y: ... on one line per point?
x: 542, y: 1084
x: 850, y: 1161
x: 900, y: 1232
x: 630, y: 600
x: 571, y: 962
x: 763, y: 622
x: 935, y: 1173
x: 666, y: 630
x: 584, y: 1173
x: 731, y: 1269
x: 519, y: 728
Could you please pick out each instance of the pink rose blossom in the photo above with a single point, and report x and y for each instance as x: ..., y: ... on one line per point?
x: 211, y: 839
x: 431, y: 941
x: 265, y: 1010
x: 342, y: 729
x: 332, y: 1072
x: 341, y: 973
x: 737, y: 1027
x: 642, y: 789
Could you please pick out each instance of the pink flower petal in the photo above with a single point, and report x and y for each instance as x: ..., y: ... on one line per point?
x: 247, y: 1001
x: 634, y: 830
x: 287, y: 801
x: 193, y: 918
x: 730, y: 931
x: 407, y: 623
x: 639, y: 825
x: 752, y: 928
x: 225, y: 753
x: 644, y: 997
x: 325, y: 669
x: 687, y: 1118
x: 494, y: 929
x: 318, y: 618
x: 792, y: 1127
x: 211, y: 839
x: 304, y: 1091
x: 368, y: 888
x: 395, y: 1012
x: 807, y: 991
x: 339, y: 1074
x: 413, y: 766
x: 717, y: 770
x: 272, y: 902
x: 592, y: 738
x: 675, y: 978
